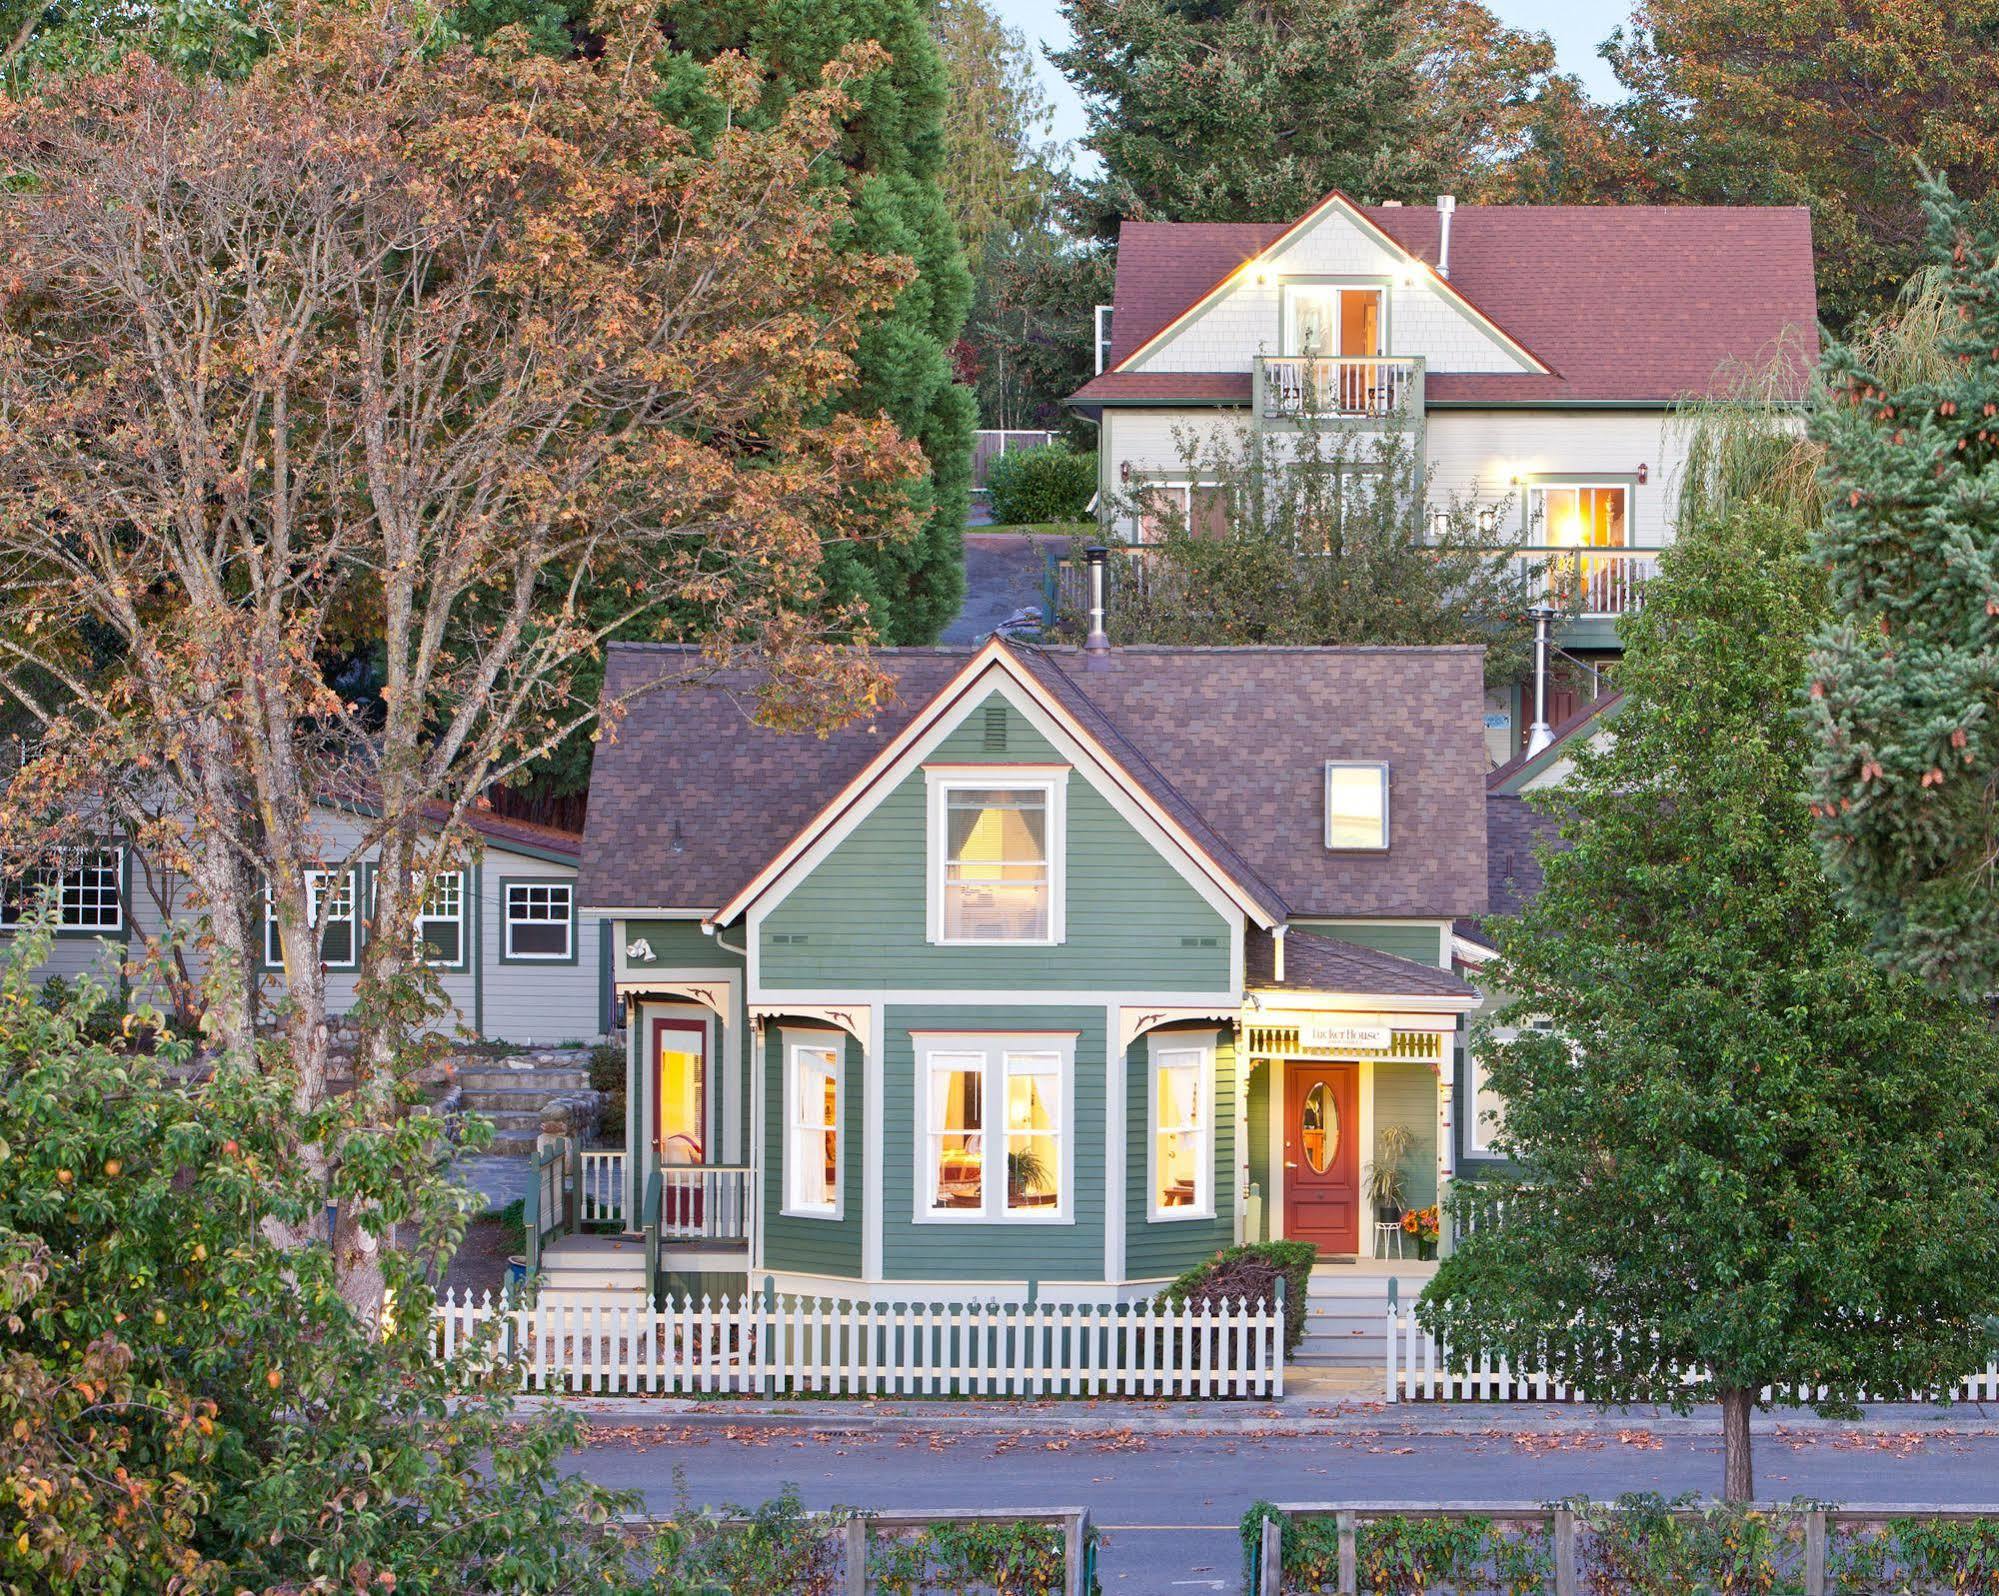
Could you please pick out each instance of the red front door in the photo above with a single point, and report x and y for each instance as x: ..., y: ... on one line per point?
x: 1321, y: 1156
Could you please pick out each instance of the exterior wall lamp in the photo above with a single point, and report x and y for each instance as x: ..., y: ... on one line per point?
x: 1642, y: 473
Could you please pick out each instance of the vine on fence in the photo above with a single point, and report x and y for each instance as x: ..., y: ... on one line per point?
x: 961, y: 1559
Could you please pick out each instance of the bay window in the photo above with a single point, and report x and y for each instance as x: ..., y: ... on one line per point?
x: 995, y: 857
x: 968, y: 1168
x: 1181, y: 1150
x: 813, y: 1099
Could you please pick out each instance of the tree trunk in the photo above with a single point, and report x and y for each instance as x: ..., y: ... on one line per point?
x: 1738, y: 1473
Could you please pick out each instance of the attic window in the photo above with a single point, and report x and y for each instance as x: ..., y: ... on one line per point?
x: 1356, y: 806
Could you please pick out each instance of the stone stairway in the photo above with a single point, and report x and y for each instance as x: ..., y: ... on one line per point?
x: 511, y: 1092
x: 578, y: 1271
x: 1346, y: 1315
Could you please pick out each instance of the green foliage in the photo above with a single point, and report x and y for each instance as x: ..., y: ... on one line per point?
x: 607, y: 1075
x: 1744, y: 1147
x: 1905, y: 676
x: 1324, y: 536
x: 967, y: 1559
x: 1251, y: 1271
x: 199, y: 37
x: 188, y: 1406
x: 891, y: 161
x: 1051, y: 483
x: 513, y: 1219
x: 1030, y: 339
x: 996, y: 174
x: 777, y: 1547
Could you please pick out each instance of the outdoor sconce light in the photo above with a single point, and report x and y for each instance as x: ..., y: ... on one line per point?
x: 1642, y: 473
x: 1124, y: 471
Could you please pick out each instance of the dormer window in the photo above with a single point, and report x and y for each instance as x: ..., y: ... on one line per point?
x: 1356, y: 806
x: 996, y: 855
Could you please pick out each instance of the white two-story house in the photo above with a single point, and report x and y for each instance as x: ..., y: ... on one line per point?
x: 1539, y: 351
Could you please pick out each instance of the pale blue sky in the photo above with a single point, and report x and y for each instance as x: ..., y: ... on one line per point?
x: 1577, y: 27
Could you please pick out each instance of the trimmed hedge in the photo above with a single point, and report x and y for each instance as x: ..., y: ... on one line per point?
x: 1251, y: 1271
x: 1051, y: 483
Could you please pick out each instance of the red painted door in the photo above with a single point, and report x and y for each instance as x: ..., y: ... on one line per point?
x: 1321, y: 1156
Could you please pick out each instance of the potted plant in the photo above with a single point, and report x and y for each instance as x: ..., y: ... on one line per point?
x: 1382, y: 1180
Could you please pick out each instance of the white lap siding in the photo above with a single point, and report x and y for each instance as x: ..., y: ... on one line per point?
x: 536, y: 1004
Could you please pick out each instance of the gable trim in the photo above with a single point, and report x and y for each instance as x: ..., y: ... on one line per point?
x: 992, y: 668
x: 1336, y: 200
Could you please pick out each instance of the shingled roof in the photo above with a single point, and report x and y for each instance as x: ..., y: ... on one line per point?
x: 1514, y: 828
x: 1640, y: 304
x: 1317, y: 963
x: 692, y: 800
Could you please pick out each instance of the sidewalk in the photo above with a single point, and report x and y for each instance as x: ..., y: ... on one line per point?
x: 1292, y: 1415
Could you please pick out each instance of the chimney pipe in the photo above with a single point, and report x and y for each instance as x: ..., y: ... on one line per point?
x: 1446, y: 204
x: 1540, y: 734
x: 1097, y: 646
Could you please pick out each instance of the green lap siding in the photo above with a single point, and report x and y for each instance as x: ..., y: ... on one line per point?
x: 858, y: 921
x: 1159, y: 1249
x: 994, y: 1252
x: 1406, y: 1094
x: 798, y: 1242
x: 676, y: 944
x: 1426, y: 943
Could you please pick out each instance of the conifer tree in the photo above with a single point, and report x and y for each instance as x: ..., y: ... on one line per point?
x: 891, y: 159
x: 1905, y: 682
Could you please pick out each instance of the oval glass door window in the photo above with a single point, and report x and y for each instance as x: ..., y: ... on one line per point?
x: 1320, y: 1132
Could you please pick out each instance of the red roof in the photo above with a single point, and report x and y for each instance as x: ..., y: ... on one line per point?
x: 1630, y: 303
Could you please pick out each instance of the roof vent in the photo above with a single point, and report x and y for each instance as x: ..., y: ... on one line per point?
x: 995, y: 742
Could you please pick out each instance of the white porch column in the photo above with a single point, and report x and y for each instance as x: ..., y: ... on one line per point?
x: 1447, y: 1161
x: 1115, y: 1098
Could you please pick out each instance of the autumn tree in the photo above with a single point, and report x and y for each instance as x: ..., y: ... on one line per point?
x: 1744, y: 1156
x: 1905, y: 675
x: 417, y: 345
x: 890, y: 159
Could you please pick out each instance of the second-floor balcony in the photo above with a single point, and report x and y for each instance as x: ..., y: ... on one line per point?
x: 1595, y: 583
x: 1337, y: 387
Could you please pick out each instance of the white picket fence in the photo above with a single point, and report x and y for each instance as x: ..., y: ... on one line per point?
x: 1419, y: 1371
x: 778, y: 1345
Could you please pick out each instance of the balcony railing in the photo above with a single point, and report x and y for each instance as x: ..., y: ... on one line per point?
x: 1353, y: 387
x: 1599, y: 584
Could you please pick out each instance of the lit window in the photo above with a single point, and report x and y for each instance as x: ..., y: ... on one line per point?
x: 1574, y: 516
x: 996, y: 860
x: 1182, y: 1141
x: 83, y: 888
x: 1200, y: 509
x: 812, y: 1154
x: 1356, y: 806
x: 540, y: 920
x: 965, y: 1174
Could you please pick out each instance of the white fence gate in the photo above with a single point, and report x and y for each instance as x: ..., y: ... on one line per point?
x: 775, y: 1345
x: 1419, y: 1370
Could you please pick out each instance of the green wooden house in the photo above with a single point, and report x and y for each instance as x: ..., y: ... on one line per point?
x: 1064, y: 969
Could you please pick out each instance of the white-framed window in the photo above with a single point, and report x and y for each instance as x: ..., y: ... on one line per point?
x: 84, y: 887
x: 538, y: 920
x: 996, y: 855
x: 1488, y: 1108
x: 1356, y: 805
x: 330, y: 906
x: 993, y: 1139
x: 440, y: 925
x: 814, y: 1098
x: 1579, y: 515
x: 1180, y: 1168
x: 1103, y: 329
x: 1332, y: 319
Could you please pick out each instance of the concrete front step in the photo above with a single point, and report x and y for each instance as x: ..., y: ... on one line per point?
x: 551, y: 1081
x: 489, y: 1100
x: 584, y: 1292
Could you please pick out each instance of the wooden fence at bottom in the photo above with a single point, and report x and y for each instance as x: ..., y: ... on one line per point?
x: 1561, y: 1521
x: 772, y: 1345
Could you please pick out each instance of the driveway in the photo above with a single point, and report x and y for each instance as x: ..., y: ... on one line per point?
x: 1002, y: 575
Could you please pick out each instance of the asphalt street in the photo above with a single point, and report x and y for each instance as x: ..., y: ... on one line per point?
x: 1169, y: 1503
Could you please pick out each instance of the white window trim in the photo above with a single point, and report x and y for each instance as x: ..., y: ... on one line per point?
x: 1103, y: 337
x: 1288, y: 292
x: 1478, y: 1135
x: 1052, y: 781
x: 507, y: 923
x: 459, y: 920
x: 315, y: 895
x: 791, y: 1044
x: 1537, y: 511
x: 1157, y: 1044
x: 1387, y: 811
x: 993, y: 1050
x: 27, y: 891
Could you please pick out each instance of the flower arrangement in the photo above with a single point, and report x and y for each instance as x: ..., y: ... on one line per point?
x: 1424, y: 1224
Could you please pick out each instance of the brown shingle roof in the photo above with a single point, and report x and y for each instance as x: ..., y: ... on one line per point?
x: 1632, y: 303
x: 693, y: 799
x: 1315, y: 963
x: 1513, y: 829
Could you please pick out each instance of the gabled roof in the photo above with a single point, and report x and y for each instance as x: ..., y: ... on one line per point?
x: 1514, y: 828
x: 1317, y: 963
x: 1639, y: 304
x: 692, y: 801
x: 1515, y: 775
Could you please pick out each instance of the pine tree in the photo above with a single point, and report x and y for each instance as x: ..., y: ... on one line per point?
x: 1748, y: 1155
x: 891, y: 161
x: 1905, y: 683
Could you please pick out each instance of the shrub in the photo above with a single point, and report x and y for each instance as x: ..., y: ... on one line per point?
x: 607, y: 1076
x: 1051, y: 483
x: 513, y: 1219
x: 1251, y: 1272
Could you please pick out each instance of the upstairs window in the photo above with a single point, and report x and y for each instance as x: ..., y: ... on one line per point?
x: 83, y: 887
x: 1103, y: 337
x: 1578, y: 516
x: 996, y: 866
x: 1325, y: 319
x: 1356, y: 806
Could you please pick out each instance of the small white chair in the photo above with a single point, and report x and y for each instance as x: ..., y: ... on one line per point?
x: 1385, y: 1231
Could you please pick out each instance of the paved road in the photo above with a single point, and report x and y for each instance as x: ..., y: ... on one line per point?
x: 1002, y: 575
x: 1170, y: 1503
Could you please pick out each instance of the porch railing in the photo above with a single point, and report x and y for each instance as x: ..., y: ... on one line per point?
x: 1354, y: 386
x: 600, y: 1186
x: 1599, y: 583
x: 707, y: 1202
x: 545, y: 1210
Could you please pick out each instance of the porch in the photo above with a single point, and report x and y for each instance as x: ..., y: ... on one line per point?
x: 693, y: 1222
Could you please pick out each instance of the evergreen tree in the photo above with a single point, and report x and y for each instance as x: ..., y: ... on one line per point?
x: 891, y: 160
x: 1905, y: 683
x: 1752, y: 1163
